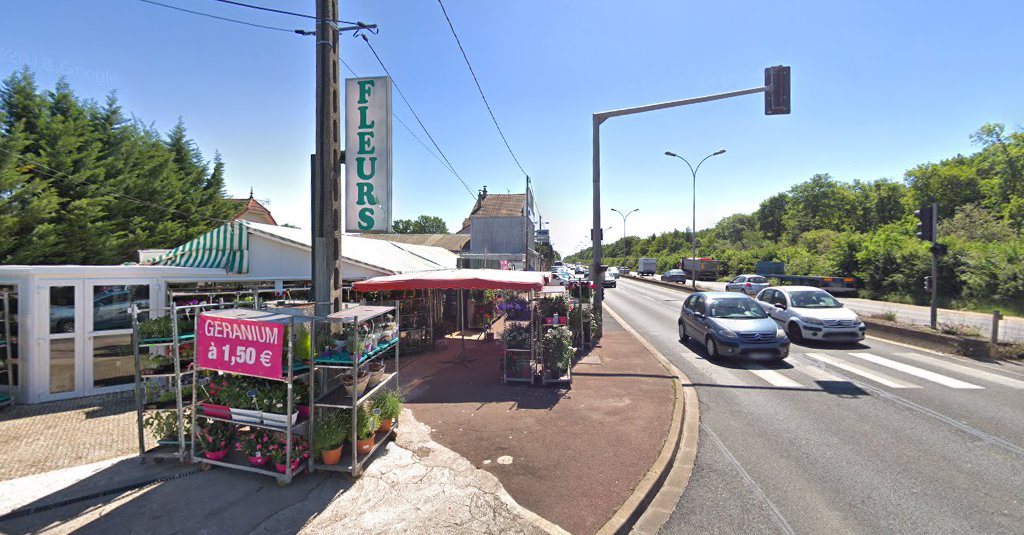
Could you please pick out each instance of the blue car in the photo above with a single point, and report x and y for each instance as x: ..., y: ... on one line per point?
x: 731, y: 325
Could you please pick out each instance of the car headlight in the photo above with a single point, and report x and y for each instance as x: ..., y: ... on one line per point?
x: 726, y: 333
x: 813, y: 321
x: 779, y: 333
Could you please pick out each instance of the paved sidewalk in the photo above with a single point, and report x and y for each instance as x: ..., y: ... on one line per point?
x: 573, y: 456
x: 415, y: 487
x: 62, y: 434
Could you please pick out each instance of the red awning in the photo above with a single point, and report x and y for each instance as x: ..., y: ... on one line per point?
x: 454, y: 279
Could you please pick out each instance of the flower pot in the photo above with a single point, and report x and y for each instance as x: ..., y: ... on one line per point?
x: 385, y: 425
x: 549, y: 321
x: 279, y: 420
x: 216, y: 455
x: 246, y: 416
x: 357, y: 389
x: 376, y: 374
x: 258, y: 461
x: 331, y: 456
x: 303, y: 411
x: 217, y: 411
x: 363, y: 447
x: 281, y: 467
x: 562, y: 320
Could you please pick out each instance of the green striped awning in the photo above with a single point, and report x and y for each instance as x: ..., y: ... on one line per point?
x: 225, y: 247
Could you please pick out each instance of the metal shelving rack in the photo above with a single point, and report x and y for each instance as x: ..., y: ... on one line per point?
x: 545, y: 380
x: 234, y: 459
x: 426, y: 332
x: 517, y: 354
x: 7, y: 398
x: 334, y: 396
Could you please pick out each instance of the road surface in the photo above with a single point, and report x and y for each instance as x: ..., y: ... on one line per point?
x: 872, y: 438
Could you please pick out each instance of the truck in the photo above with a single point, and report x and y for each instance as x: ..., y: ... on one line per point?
x: 833, y: 285
x: 647, y: 266
x: 700, y: 268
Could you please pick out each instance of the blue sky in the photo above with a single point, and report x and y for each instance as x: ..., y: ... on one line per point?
x: 878, y: 87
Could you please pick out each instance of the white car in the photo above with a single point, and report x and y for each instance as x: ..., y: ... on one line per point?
x: 748, y: 284
x: 809, y: 313
x: 562, y: 278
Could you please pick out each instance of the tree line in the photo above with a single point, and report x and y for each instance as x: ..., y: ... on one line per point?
x: 82, y: 183
x: 866, y: 229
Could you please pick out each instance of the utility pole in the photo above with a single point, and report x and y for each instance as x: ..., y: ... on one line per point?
x: 935, y: 265
x: 326, y: 180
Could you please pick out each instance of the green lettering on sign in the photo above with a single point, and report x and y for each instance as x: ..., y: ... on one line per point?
x: 362, y: 118
x: 361, y: 172
x: 365, y: 143
x: 365, y: 87
x: 365, y: 194
x: 366, y: 219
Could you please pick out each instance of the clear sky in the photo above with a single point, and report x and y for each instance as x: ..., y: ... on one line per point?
x: 878, y: 87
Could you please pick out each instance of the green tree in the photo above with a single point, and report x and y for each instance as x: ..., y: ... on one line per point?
x: 769, y: 216
x: 423, y: 224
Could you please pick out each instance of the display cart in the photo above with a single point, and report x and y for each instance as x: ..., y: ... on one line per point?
x: 6, y: 345
x: 416, y: 330
x: 289, y: 372
x: 329, y: 392
x: 545, y: 325
x: 523, y: 362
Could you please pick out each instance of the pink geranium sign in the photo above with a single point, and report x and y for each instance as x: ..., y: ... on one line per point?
x: 240, y: 346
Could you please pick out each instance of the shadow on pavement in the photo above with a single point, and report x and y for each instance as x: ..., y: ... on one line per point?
x: 168, y: 497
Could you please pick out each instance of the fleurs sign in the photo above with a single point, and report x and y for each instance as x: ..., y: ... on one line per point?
x: 240, y: 346
x: 368, y: 154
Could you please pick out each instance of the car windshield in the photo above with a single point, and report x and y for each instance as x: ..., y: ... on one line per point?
x: 736, y: 309
x: 813, y: 300
x: 757, y: 279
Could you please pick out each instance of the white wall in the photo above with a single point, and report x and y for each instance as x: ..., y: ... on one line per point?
x: 273, y: 260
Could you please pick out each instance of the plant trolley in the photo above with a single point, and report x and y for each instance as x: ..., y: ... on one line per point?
x: 364, y: 362
x: 248, y: 363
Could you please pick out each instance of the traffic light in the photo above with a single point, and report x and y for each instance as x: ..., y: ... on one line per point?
x: 940, y: 249
x: 928, y: 283
x: 776, y: 90
x: 925, y: 229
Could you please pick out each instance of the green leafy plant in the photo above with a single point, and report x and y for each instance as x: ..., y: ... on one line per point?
x: 332, y: 428
x: 164, y: 424
x: 162, y: 327
x: 255, y: 443
x: 367, y: 423
x: 214, y: 437
x: 517, y: 336
x: 279, y: 450
x: 388, y: 404
x: 557, y: 349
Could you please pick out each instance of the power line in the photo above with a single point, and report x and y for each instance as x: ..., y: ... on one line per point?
x: 416, y: 115
x: 292, y: 13
x: 236, y: 21
x: 413, y: 134
x: 479, y: 88
x: 80, y: 181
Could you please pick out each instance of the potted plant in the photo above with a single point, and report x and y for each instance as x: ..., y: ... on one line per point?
x: 387, y: 407
x: 300, y: 391
x: 366, y: 427
x: 332, y: 428
x: 163, y: 425
x: 255, y: 445
x: 279, y: 452
x: 355, y: 385
x: 558, y: 352
x: 376, y: 370
x: 272, y: 401
x: 217, y: 389
x: 213, y: 439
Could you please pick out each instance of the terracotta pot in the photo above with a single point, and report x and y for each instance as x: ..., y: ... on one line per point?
x: 363, y: 447
x: 385, y: 425
x: 331, y: 456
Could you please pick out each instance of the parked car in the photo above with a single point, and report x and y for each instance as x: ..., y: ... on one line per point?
x: 611, y: 277
x: 731, y: 325
x: 748, y: 284
x: 562, y: 278
x: 674, y: 275
x: 806, y: 312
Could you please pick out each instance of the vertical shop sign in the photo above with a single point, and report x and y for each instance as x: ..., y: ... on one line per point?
x: 240, y: 346
x: 368, y: 154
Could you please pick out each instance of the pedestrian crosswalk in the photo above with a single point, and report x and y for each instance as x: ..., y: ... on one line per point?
x: 809, y: 370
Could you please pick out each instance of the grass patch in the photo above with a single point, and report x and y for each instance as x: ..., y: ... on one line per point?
x: 959, y: 329
x: 887, y: 316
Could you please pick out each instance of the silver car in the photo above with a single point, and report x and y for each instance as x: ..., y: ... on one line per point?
x: 731, y: 325
x: 747, y: 284
x: 809, y: 313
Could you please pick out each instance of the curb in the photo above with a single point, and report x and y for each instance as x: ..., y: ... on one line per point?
x: 657, y: 494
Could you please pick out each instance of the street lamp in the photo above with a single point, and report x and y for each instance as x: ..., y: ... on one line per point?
x: 693, y: 170
x: 624, y: 216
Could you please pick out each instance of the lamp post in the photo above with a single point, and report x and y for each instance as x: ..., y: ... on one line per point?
x: 693, y: 170
x: 624, y: 216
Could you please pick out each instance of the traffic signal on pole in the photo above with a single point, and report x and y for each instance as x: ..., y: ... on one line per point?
x: 925, y: 229
x: 776, y: 90
x: 928, y: 283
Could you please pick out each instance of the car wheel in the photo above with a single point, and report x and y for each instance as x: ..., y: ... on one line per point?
x: 683, y: 337
x: 795, y: 334
x: 66, y: 326
x: 712, y: 348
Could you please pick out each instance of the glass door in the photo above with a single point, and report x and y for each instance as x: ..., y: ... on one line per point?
x: 62, y: 343
x: 109, y: 361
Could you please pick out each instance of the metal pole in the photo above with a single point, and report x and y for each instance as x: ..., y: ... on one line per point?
x: 693, y: 229
x: 138, y: 373
x: 996, y: 316
x: 935, y: 265
x: 595, y: 233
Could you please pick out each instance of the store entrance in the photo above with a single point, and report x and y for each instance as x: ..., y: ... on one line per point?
x: 61, y: 346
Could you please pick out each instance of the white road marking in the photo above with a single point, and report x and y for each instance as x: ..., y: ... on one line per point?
x: 918, y: 372
x: 819, y: 374
x: 773, y: 377
x: 867, y: 374
x: 966, y: 370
